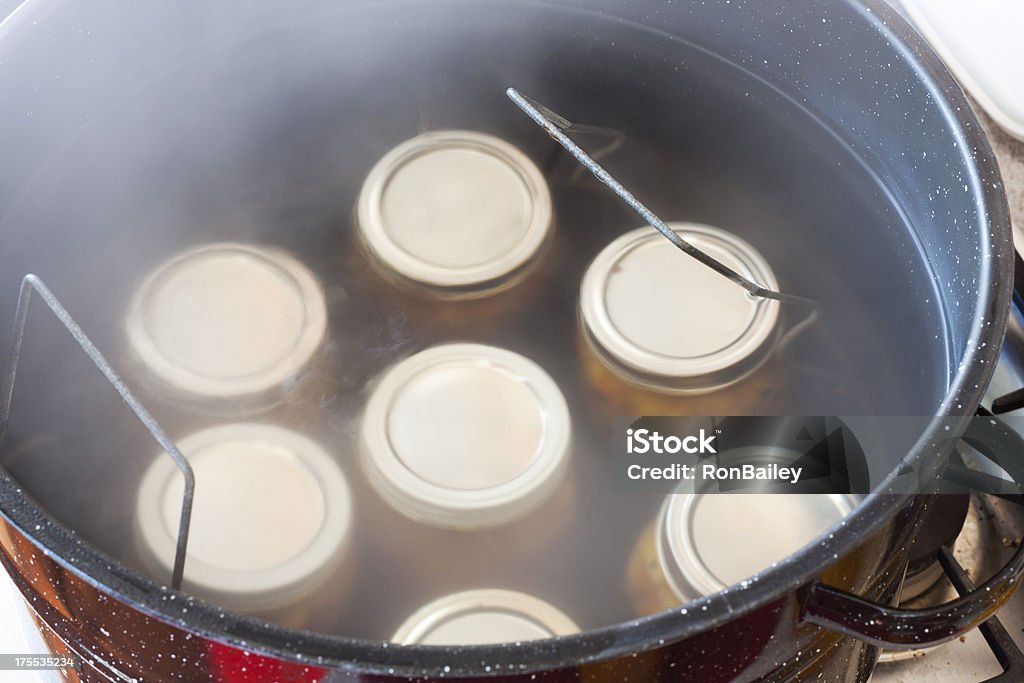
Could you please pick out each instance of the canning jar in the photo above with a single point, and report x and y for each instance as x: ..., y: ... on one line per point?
x: 271, y: 523
x: 448, y: 221
x: 481, y: 617
x: 701, y: 543
x: 662, y: 334
x: 230, y: 329
x: 468, y: 448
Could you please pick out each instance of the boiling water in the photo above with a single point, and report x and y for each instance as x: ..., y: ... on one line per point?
x: 266, y: 139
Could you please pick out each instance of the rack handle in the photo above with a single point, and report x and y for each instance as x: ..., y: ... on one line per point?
x: 31, y: 283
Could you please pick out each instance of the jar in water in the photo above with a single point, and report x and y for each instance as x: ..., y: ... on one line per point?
x: 467, y: 447
x: 700, y: 543
x: 449, y: 220
x: 271, y: 523
x: 231, y: 329
x: 662, y: 334
x: 483, y: 617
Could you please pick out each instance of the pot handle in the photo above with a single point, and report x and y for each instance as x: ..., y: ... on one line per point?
x: 912, y: 629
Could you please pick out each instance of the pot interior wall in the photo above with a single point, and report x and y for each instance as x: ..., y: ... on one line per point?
x: 265, y: 134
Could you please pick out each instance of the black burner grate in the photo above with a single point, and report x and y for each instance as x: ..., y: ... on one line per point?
x: 998, y: 638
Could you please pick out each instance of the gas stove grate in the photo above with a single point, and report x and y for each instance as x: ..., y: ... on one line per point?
x: 998, y: 638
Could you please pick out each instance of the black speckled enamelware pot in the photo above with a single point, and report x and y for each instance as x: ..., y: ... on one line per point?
x: 745, y: 89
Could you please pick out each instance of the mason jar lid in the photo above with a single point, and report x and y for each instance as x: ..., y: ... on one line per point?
x: 465, y: 436
x: 271, y: 517
x: 660, y: 318
x: 484, y: 617
x: 227, y: 321
x: 455, y: 209
x: 707, y: 542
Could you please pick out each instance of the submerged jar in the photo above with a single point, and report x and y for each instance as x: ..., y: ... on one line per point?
x: 230, y: 329
x: 450, y: 219
x: 701, y: 543
x: 662, y: 334
x: 271, y: 523
x: 482, y: 617
x: 468, y: 448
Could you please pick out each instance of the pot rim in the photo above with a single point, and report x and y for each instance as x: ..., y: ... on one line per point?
x: 966, y: 388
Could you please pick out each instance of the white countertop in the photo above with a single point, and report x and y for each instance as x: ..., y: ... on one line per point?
x: 18, y: 635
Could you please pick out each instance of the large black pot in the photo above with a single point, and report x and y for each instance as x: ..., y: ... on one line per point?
x: 826, y: 133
